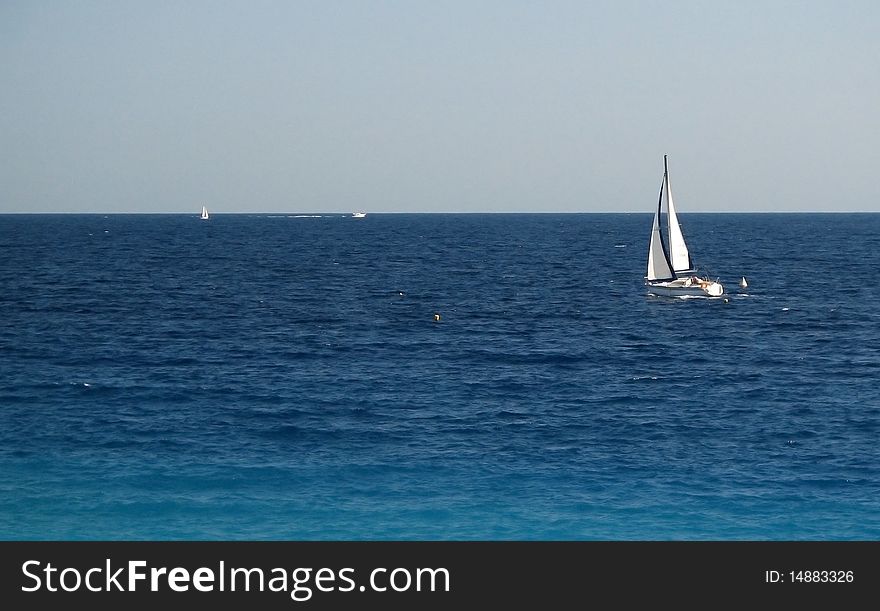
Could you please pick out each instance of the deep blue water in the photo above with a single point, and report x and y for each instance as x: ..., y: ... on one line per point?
x: 271, y: 377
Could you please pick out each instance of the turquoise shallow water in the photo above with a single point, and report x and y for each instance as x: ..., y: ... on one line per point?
x: 281, y: 377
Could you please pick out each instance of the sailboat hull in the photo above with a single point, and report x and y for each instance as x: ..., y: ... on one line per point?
x: 686, y: 288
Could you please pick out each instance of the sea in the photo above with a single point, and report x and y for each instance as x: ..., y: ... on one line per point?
x: 436, y: 377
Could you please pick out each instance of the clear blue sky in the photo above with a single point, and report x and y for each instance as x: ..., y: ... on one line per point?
x: 433, y: 106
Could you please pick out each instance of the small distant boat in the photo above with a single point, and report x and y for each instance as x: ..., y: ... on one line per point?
x: 742, y: 283
x: 204, y: 216
x: 359, y: 214
x: 671, y: 271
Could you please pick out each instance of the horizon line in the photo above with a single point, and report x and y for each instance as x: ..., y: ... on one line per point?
x: 347, y: 213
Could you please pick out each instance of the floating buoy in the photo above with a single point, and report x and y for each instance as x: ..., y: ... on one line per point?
x: 743, y: 283
x: 436, y: 318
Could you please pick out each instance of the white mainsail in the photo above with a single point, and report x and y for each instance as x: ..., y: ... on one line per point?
x: 678, y: 250
x: 659, y: 267
x: 204, y: 213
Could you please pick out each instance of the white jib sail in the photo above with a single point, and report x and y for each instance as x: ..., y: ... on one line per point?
x: 658, y: 265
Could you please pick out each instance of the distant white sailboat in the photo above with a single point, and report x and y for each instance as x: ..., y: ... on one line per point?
x: 670, y: 271
x: 204, y: 216
x: 742, y: 283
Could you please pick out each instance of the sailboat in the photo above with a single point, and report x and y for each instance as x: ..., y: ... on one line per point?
x: 670, y: 269
x: 204, y: 213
